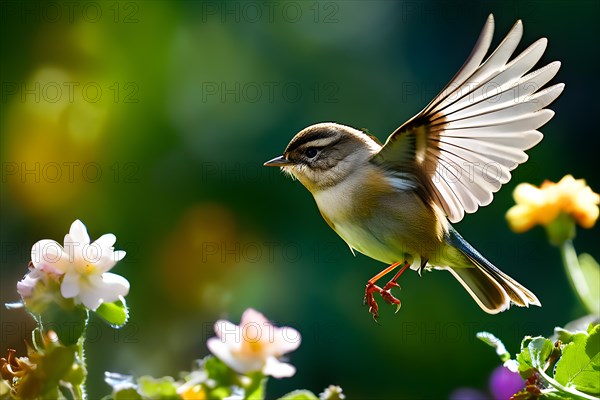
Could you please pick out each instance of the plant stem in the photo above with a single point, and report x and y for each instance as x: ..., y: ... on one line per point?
x: 574, y: 393
x: 574, y: 274
x: 79, y: 390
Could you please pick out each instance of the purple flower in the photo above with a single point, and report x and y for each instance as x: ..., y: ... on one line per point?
x: 504, y: 383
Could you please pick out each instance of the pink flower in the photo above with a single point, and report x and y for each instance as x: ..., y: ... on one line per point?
x: 255, y: 345
x: 25, y: 286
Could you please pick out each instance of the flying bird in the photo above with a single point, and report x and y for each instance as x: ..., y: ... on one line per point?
x: 395, y: 202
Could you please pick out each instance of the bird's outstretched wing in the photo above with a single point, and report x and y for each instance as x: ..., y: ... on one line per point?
x: 477, y: 129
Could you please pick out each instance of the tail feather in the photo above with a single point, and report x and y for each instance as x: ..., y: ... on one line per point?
x: 491, y: 288
x: 490, y: 296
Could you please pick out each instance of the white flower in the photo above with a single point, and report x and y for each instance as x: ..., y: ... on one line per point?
x: 332, y: 392
x: 254, y: 345
x: 83, y: 266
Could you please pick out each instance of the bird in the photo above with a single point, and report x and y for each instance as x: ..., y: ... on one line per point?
x: 396, y: 202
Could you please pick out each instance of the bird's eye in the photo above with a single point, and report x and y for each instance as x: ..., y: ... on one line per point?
x: 311, y: 152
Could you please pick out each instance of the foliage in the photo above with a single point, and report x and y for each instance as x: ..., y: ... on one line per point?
x: 65, y: 284
x: 210, y: 379
x: 565, y: 367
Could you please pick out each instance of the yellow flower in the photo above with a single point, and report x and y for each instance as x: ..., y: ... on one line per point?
x: 543, y: 205
x: 195, y: 392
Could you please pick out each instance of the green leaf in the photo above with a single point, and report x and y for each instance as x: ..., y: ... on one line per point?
x: 115, y: 314
x: 540, y: 349
x: 52, y: 366
x: 496, y: 343
x: 591, y: 274
x: 556, y: 396
x: 579, y: 366
x: 76, y: 376
x: 592, y: 348
x: 218, y: 393
x: 158, y: 388
x: 256, y: 389
x: 218, y: 371
x: 534, y: 354
x: 564, y: 335
x: 129, y: 393
x: 68, y: 323
x: 300, y: 395
x: 56, y: 363
x: 524, y: 360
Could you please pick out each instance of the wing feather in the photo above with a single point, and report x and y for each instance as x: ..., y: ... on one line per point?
x: 500, y: 82
x: 477, y: 129
x: 522, y: 92
x: 472, y: 63
x: 489, y: 68
x: 527, y: 107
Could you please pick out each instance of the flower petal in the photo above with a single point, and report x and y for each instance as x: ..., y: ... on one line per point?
x: 587, y: 217
x: 91, y: 298
x: 218, y: 348
x: 229, y: 333
x: 92, y: 253
x: 69, y: 287
x: 76, y: 250
x: 526, y: 193
x: 278, y: 369
x: 112, y: 287
x: 223, y: 352
x: 78, y: 232
x: 119, y: 255
x: 76, y: 242
x: 251, y: 316
x: 48, y: 256
x: 286, y: 340
x: 520, y: 218
x: 106, y: 241
x: 254, y: 345
x: 97, y: 289
x: 26, y: 285
x: 109, y: 259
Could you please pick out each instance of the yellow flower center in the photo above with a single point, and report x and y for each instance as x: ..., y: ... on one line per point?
x: 252, y: 348
x: 86, y: 269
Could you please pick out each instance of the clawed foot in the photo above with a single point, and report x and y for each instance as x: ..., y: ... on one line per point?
x: 386, y: 293
x: 370, y: 299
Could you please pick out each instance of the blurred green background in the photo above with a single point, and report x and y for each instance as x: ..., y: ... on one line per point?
x: 151, y: 120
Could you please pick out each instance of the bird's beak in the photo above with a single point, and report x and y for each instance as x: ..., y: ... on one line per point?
x: 280, y: 161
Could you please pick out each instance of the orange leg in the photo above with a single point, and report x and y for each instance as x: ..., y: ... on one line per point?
x: 386, y: 291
